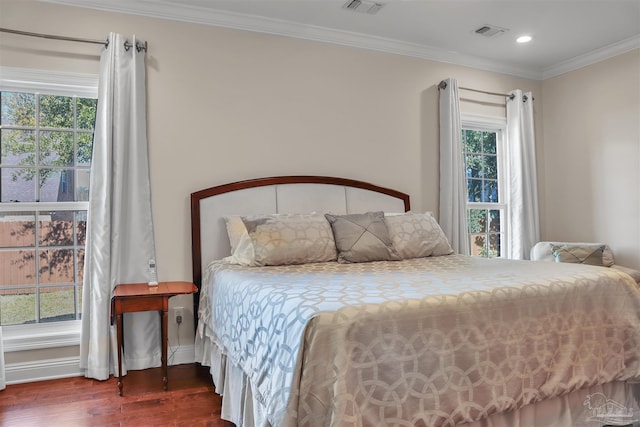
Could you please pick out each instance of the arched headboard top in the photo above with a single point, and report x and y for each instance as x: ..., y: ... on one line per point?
x: 281, y: 194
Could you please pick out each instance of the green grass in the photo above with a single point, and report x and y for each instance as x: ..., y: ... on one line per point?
x: 55, y: 304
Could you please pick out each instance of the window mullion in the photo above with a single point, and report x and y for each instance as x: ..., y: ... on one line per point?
x: 37, y: 265
x: 75, y: 137
x: 36, y: 160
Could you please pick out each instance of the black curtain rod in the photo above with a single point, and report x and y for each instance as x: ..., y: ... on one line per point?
x: 443, y: 85
x: 105, y: 43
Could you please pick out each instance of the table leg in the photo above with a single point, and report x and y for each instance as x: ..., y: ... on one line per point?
x: 120, y: 334
x: 165, y: 324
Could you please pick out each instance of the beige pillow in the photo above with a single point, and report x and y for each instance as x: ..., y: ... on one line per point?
x: 282, y: 239
x: 578, y: 254
x: 417, y: 235
x: 362, y: 237
x: 235, y: 230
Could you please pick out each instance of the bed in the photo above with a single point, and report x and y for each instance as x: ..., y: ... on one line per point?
x: 417, y: 337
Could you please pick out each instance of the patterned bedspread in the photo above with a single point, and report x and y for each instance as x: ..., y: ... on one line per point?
x: 422, y: 342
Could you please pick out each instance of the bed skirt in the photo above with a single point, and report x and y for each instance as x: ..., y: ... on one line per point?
x: 614, y: 403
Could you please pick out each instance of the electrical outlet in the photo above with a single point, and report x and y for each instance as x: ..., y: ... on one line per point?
x: 178, y: 315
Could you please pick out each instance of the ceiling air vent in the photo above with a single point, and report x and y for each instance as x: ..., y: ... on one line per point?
x: 490, y: 31
x: 363, y: 6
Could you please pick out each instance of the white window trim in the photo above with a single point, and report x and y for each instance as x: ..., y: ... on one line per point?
x: 484, y: 122
x: 499, y: 125
x: 48, y: 82
x: 41, y: 335
x: 54, y: 334
x: 44, y: 206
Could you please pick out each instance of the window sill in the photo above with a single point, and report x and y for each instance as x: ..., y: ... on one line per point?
x: 41, y: 336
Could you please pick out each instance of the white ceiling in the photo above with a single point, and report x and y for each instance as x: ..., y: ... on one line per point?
x: 567, y: 34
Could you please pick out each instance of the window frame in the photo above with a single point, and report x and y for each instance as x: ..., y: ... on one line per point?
x: 499, y: 126
x: 45, y: 82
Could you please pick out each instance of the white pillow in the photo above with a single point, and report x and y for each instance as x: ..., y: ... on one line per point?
x: 235, y: 230
x: 417, y: 235
x: 281, y: 239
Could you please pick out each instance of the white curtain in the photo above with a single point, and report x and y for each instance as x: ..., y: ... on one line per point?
x: 523, y: 188
x: 2, y: 377
x: 120, y: 239
x: 453, y: 183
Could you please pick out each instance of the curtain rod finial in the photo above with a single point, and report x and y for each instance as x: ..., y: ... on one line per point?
x: 442, y: 85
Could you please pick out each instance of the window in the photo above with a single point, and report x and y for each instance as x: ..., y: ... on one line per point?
x: 45, y: 158
x: 483, y: 149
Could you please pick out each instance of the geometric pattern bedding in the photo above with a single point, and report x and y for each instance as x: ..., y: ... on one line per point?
x: 423, y: 342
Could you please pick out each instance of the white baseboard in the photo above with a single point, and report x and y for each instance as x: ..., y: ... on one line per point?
x: 182, y: 354
x: 65, y: 367
x: 42, y: 370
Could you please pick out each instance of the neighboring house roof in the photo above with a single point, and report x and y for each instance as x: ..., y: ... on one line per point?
x: 23, y: 190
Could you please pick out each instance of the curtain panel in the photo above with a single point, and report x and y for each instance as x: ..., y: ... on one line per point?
x: 120, y: 240
x: 523, y: 184
x: 453, y: 183
x: 2, y: 375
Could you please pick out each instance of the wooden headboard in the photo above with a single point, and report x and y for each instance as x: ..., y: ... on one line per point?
x: 282, y: 194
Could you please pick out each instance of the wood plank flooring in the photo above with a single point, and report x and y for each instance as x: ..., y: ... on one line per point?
x: 70, y: 402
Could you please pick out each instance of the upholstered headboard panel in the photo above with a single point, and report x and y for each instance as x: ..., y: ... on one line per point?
x: 285, y: 194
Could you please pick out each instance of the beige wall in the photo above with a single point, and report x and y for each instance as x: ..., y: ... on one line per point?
x: 591, y: 157
x: 226, y: 105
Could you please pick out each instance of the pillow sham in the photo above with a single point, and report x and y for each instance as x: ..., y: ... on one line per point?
x: 235, y: 230
x: 578, y: 254
x: 362, y: 237
x: 283, y: 239
x: 417, y: 235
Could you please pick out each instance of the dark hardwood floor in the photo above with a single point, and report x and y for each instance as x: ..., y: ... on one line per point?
x: 70, y: 402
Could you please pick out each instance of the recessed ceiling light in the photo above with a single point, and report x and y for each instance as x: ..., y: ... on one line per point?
x: 523, y: 39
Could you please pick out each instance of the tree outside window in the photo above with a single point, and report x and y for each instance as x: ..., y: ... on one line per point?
x: 45, y: 159
x: 485, y: 209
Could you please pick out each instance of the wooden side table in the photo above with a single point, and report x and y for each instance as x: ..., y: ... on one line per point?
x: 132, y: 297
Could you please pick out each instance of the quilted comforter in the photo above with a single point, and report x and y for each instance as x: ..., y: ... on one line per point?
x: 423, y: 342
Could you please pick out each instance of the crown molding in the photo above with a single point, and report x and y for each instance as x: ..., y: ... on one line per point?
x: 205, y: 16
x: 592, y: 57
x: 237, y: 21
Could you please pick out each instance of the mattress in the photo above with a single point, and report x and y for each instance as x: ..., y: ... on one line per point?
x: 430, y: 341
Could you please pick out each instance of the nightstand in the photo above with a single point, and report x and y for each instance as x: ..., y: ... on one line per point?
x: 133, y: 297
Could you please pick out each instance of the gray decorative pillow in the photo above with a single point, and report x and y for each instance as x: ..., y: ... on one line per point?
x: 417, y: 235
x: 362, y: 237
x: 578, y: 254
